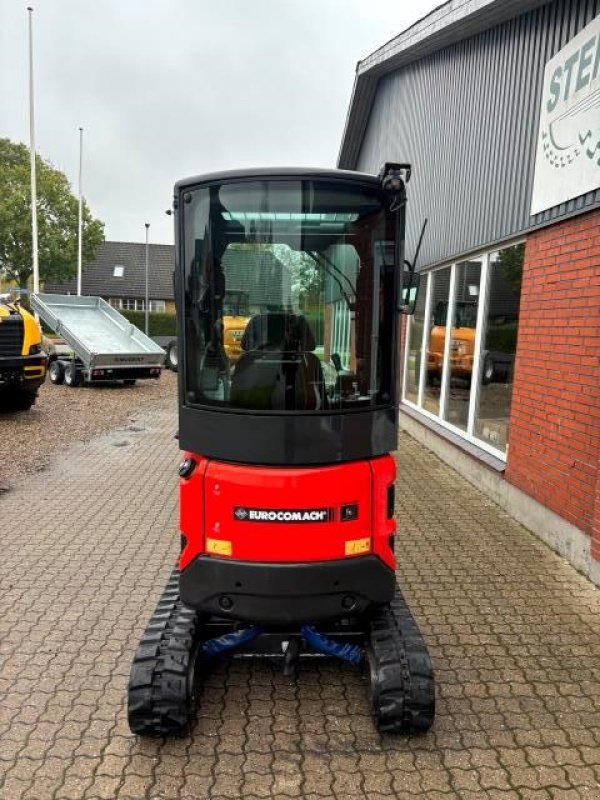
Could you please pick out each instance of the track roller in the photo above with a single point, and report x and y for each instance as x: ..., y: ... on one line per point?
x: 162, y: 682
x: 402, y: 683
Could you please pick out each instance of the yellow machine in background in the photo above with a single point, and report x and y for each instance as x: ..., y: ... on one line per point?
x: 236, y: 315
x: 23, y: 363
x: 462, y: 343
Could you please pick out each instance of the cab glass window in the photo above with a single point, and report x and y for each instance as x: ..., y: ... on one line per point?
x: 289, y: 296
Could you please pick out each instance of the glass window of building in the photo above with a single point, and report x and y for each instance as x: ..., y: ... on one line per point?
x: 436, y: 339
x: 415, y: 345
x: 498, y: 346
x: 462, y: 342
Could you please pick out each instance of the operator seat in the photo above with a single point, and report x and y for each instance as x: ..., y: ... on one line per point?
x: 278, y: 370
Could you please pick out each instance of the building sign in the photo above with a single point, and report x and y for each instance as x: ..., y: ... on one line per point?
x: 568, y: 149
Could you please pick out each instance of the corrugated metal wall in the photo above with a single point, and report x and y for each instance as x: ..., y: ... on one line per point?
x: 467, y: 119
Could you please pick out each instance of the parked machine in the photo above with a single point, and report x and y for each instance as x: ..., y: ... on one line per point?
x: 22, y: 361
x: 235, y: 316
x: 104, y: 346
x: 496, y: 362
x: 462, y: 342
x: 287, y: 482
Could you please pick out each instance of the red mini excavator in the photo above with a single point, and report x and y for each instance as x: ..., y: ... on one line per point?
x: 287, y: 483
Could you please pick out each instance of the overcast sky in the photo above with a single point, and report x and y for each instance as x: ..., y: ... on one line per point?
x: 170, y: 88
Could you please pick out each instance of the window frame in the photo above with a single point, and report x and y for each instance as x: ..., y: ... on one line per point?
x: 136, y: 304
x: 482, y: 314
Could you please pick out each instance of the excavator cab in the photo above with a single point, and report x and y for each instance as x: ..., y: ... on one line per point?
x: 287, y: 482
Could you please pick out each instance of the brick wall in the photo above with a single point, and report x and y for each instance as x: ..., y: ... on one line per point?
x: 554, y: 439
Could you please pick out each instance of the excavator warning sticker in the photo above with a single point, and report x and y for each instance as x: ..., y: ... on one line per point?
x: 286, y: 515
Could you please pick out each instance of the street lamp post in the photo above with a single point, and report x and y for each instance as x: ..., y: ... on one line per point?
x: 146, y: 298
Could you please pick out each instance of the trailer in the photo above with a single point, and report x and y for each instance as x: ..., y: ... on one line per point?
x: 106, y: 347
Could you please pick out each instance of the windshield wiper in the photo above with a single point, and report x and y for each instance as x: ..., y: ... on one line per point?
x: 325, y: 262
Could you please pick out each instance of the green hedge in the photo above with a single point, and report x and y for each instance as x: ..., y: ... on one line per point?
x: 158, y: 324
x: 502, y: 338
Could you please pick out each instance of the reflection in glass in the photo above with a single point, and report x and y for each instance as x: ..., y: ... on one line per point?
x: 499, y: 344
x: 462, y: 342
x: 437, y: 339
x: 415, y: 345
x: 290, y: 292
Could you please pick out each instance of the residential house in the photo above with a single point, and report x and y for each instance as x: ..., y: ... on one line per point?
x: 118, y: 274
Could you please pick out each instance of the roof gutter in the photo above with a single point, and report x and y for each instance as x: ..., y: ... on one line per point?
x: 449, y: 23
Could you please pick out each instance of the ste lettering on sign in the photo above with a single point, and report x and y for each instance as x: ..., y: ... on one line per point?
x: 567, y: 161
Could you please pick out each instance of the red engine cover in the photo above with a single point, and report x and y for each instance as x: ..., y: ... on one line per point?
x: 273, y: 514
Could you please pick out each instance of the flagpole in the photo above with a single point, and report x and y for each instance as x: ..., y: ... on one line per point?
x: 34, y: 226
x: 146, y: 301
x: 80, y: 219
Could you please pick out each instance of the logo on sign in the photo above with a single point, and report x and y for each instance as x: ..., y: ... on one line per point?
x: 569, y: 127
x: 286, y: 515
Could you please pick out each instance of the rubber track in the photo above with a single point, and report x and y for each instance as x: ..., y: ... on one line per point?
x: 161, y: 700
x: 402, y: 683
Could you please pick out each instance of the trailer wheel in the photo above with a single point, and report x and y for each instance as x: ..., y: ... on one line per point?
x: 172, y: 359
x: 73, y: 376
x: 56, y: 372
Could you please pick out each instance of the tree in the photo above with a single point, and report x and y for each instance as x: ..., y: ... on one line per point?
x: 57, y: 209
x: 307, y: 276
x: 510, y: 260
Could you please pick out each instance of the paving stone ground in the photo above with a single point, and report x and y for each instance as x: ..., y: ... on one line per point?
x: 86, y: 547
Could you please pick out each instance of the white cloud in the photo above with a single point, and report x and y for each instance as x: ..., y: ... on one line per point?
x: 169, y: 89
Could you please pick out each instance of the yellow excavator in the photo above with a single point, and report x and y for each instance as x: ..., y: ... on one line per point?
x: 236, y: 315
x: 23, y: 363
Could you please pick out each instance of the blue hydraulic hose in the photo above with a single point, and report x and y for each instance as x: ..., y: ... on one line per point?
x: 231, y: 641
x: 322, y: 644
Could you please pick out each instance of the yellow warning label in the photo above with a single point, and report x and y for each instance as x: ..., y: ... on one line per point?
x: 220, y: 547
x: 355, y: 546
